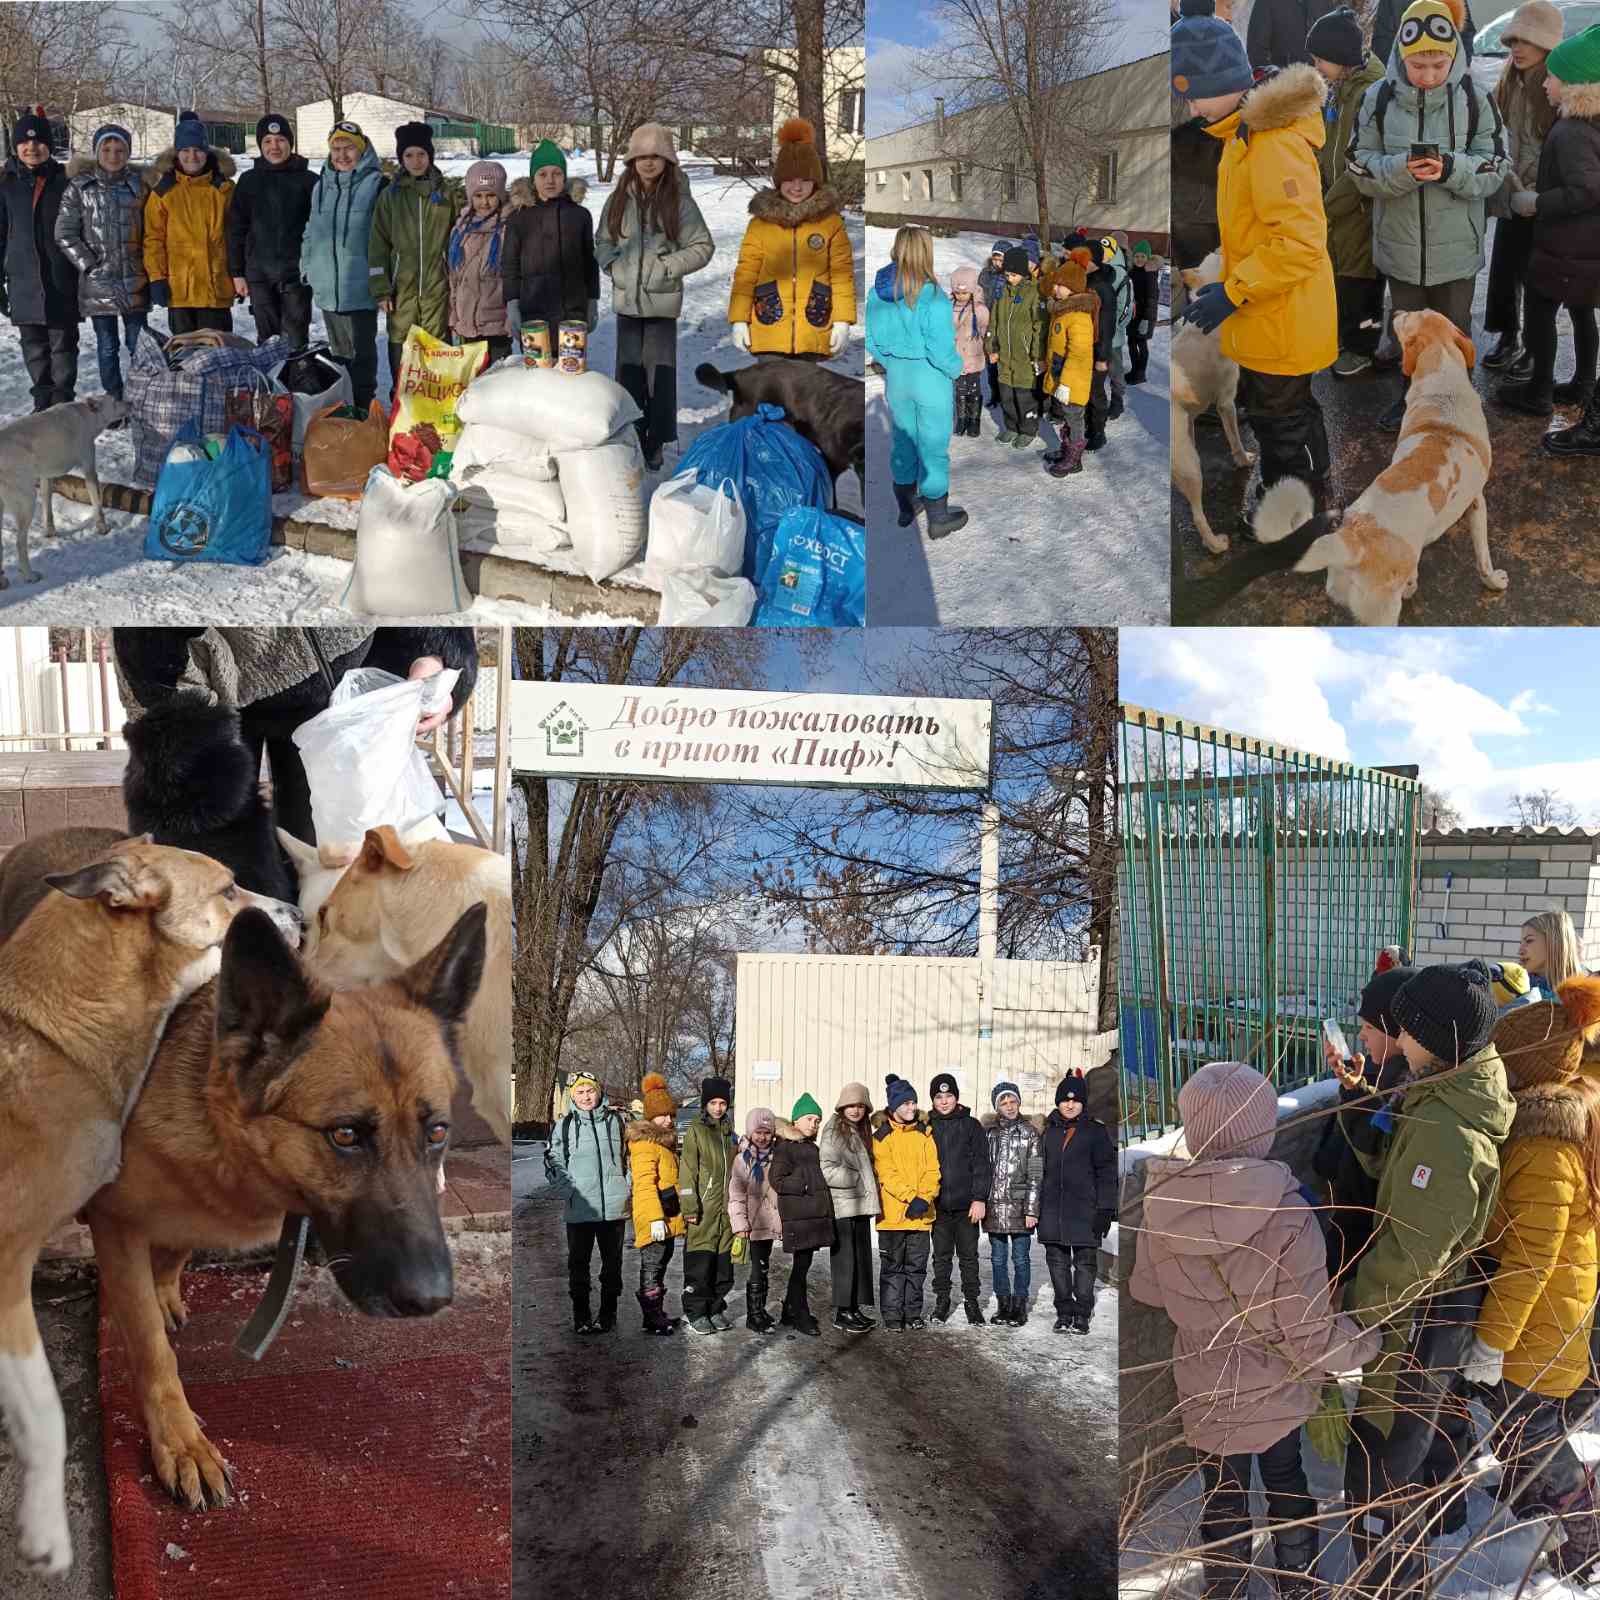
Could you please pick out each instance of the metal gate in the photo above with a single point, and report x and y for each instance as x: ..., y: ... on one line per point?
x: 1258, y: 884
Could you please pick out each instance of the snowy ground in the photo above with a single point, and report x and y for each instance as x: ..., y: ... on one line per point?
x: 1089, y: 549
x: 947, y: 1465
x: 104, y: 579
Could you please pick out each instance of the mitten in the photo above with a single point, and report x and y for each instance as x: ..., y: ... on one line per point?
x: 917, y: 1209
x: 741, y: 336
x: 658, y: 1231
x: 160, y: 295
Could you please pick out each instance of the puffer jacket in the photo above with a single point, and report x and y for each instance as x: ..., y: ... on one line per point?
x: 1528, y: 115
x: 585, y: 1161
x: 906, y: 1162
x: 338, y: 229
x: 804, y: 1200
x: 796, y: 274
x: 971, y: 322
x: 1079, y: 1180
x: 847, y: 1165
x: 1016, y: 1160
x: 708, y: 1151
x: 549, y: 266
x: 41, y: 282
x: 647, y: 268
x: 990, y: 282
x: 1196, y: 160
x: 1428, y: 233
x: 1069, y: 344
x: 924, y: 332
x: 752, y: 1206
x: 1276, y: 34
x: 1016, y: 334
x: 1274, y: 232
x: 1565, y: 263
x: 1233, y: 1255
x: 963, y: 1159
x: 100, y: 229
x: 653, y: 1167
x: 1121, y: 299
x: 475, y: 263
x: 1349, y: 211
x: 267, y: 221
x: 186, y: 230
x: 408, y: 248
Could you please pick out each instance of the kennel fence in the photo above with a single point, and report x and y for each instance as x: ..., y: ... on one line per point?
x: 1258, y: 884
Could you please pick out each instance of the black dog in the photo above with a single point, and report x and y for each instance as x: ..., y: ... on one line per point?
x: 826, y: 408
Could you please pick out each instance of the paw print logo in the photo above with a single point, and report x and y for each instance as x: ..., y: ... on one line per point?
x: 563, y: 731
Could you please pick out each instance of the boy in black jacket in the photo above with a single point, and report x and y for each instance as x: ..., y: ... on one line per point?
x: 964, y: 1178
x: 266, y: 223
x: 1077, y: 1201
x: 1101, y: 284
x: 1146, y: 275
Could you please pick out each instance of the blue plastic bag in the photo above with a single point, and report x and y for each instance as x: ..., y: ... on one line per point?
x: 816, y: 575
x: 772, y: 468
x: 218, y: 510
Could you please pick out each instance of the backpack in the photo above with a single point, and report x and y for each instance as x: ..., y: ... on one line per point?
x: 1380, y: 109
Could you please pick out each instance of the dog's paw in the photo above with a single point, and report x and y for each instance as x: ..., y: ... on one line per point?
x: 173, y: 1310
x: 1245, y: 458
x: 189, y: 1467
x: 1498, y: 579
x: 1216, y: 543
x: 43, y: 1541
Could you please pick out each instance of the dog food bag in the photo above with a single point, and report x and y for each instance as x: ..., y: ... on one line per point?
x: 433, y: 378
x: 481, y: 445
x: 605, y: 504
x: 694, y: 525
x: 407, y: 562
x: 341, y: 449
x: 566, y: 412
x: 816, y: 576
x: 700, y: 598
x: 574, y: 357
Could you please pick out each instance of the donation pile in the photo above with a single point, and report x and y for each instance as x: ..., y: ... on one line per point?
x: 433, y: 378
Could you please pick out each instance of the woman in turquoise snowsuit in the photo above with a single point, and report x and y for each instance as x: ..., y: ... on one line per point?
x: 911, y: 334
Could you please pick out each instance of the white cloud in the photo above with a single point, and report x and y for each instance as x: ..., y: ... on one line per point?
x: 1525, y: 701
x: 1441, y: 721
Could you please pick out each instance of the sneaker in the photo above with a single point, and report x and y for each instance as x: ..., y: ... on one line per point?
x: 1351, y: 362
x: 1063, y: 1325
x: 1024, y: 441
x: 915, y: 1325
x: 863, y: 1323
x: 1007, y: 437
x: 1080, y: 1324
x: 720, y: 1322
x: 845, y: 1323
x: 702, y: 1324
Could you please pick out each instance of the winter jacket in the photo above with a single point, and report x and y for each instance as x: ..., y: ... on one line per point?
x: 1565, y: 264
x: 1274, y: 232
x: 971, y: 322
x: 964, y: 1171
x: 804, y: 1200
x: 267, y: 222
x: 475, y: 260
x: 647, y: 268
x: 549, y: 267
x: 1147, y: 293
x: 185, y: 230
x: 707, y: 1157
x: 1196, y: 159
x: 41, y: 281
x: 1016, y: 334
x: 585, y: 1161
x: 923, y: 333
x: 1233, y: 1255
x: 406, y: 254
x: 1122, y: 300
x: 1276, y: 35
x: 338, y: 231
x: 906, y: 1162
x: 100, y: 228
x: 1016, y: 1165
x: 1349, y: 211
x: 1079, y: 1179
x: 653, y: 1168
x: 1528, y: 116
x: 847, y: 1165
x: 990, y: 282
x: 1103, y: 287
x: 1428, y: 233
x: 1540, y: 1303
x: 1386, y: 24
x: 1069, y: 345
x: 796, y: 275
x: 752, y: 1206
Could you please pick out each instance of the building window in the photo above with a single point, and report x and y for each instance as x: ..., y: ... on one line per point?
x: 882, y: 177
x: 686, y: 139
x: 1008, y: 181
x: 955, y: 183
x: 853, y: 111
x: 905, y: 185
x: 1105, y: 178
x: 927, y: 183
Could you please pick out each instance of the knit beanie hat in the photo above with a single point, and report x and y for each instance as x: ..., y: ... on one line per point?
x: 1577, y: 60
x: 1429, y: 25
x: 652, y: 139
x: 1448, y: 1010
x: 1142, y: 248
x: 853, y: 1094
x: 797, y: 153
x: 190, y: 133
x: 761, y: 1117
x: 413, y: 136
x: 1537, y: 23
x: 1228, y: 1109
x: 1073, y: 1087
x: 578, y: 1079
x: 1016, y: 260
x: 944, y: 1083
x: 1208, y: 59
x: 1000, y: 247
x: 805, y: 1106
x: 1000, y: 1089
x: 1543, y: 1042
x: 1378, y: 997
x: 547, y: 153
x: 1336, y: 37
x: 715, y: 1089
x: 32, y: 124
x: 1510, y: 982
x: 486, y: 177
x: 899, y: 1092
x: 350, y: 132
x: 111, y: 130
x: 273, y: 123
x: 658, y: 1101
x: 1197, y: 8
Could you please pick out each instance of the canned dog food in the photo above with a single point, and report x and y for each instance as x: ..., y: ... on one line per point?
x: 536, y: 351
x: 574, y: 347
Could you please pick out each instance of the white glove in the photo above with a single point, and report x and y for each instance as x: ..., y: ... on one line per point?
x: 838, y: 337
x: 658, y: 1231
x: 1525, y: 202
x: 741, y: 336
x: 1483, y: 1363
x: 1144, y: 328
x: 1064, y: 394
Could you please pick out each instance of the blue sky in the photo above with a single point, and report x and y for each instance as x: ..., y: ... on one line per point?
x: 897, y: 29
x: 1484, y: 712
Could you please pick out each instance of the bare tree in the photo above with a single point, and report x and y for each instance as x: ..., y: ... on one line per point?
x: 1542, y: 808
x: 1436, y: 810
x: 63, y: 57
x: 325, y: 39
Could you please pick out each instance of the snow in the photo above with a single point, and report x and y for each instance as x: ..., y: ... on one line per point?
x: 1093, y: 547
x: 104, y: 578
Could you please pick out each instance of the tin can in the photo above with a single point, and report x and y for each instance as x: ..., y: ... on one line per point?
x: 536, y: 351
x: 574, y: 356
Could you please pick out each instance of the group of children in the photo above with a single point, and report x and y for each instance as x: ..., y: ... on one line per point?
x: 929, y: 1183
x: 1452, y: 1259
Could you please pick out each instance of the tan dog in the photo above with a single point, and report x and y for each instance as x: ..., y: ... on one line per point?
x: 1438, y: 473
x: 87, y: 983
x: 1202, y: 376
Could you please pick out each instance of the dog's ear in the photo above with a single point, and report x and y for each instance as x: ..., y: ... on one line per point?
x: 1467, y: 348
x: 1410, y: 343
x: 382, y: 847
x: 267, y: 1007
x: 303, y: 857
x: 337, y: 855
x: 121, y: 882
x: 446, y: 979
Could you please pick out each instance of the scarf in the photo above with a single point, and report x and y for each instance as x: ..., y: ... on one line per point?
x: 972, y: 308
x: 470, y: 222
x: 759, y: 1160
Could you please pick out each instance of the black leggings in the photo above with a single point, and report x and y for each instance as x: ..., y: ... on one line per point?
x: 647, y: 367
x: 1226, y: 1511
x: 1539, y: 336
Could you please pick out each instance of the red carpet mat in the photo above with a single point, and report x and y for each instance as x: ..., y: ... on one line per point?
x: 370, y: 1458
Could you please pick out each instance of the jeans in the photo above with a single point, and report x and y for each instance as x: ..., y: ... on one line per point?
x: 902, y: 1266
x: 954, y: 1235
x: 353, y: 343
x: 108, y: 347
x: 647, y: 367
x: 1009, y: 1253
x: 1226, y: 1512
x: 51, y: 357
x: 582, y: 1237
x: 850, y: 1261
x: 1072, y: 1277
x: 1539, y: 335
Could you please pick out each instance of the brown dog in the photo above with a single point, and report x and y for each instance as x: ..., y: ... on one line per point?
x: 27, y: 866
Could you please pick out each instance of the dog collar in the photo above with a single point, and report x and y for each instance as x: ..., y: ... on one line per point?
x: 255, y: 1338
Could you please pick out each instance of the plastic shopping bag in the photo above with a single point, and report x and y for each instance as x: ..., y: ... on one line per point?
x: 705, y: 599
x: 316, y: 381
x: 816, y: 575
x: 340, y: 452
x: 213, y: 510
x: 694, y: 524
x: 267, y: 407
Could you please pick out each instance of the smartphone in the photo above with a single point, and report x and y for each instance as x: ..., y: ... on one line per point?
x: 1424, y: 152
x: 1334, y: 1034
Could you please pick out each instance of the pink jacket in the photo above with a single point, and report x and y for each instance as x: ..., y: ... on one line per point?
x: 1232, y: 1253
x: 749, y: 1207
x: 972, y: 321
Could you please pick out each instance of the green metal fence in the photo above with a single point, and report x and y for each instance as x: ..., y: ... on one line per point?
x: 491, y: 138
x: 1257, y: 886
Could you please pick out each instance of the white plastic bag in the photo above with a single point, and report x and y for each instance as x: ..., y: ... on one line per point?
x: 482, y: 445
x: 407, y: 561
x: 605, y: 504
x: 306, y: 406
x: 362, y: 763
x: 693, y: 525
x: 571, y: 411
x: 705, y: 599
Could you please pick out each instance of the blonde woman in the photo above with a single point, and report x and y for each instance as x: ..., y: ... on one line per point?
x: 911, y: 334
x: 1550, y: 951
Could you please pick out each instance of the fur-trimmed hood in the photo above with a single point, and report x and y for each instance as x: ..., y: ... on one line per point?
x: 520, y: 193
x: 1282, y: 100
x: 1087, y: 303
x: 167, y: 161
x: 770, y: 206
x: 991, y: 1119
x: 1580, y: 100
x: 87, y: 166
x: 1556, y: 1111
x: 645, y: 1129
x: 785, y: 1129
x: 881, y: 1120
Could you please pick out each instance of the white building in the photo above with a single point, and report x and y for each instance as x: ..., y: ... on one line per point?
x: 152, y: 127
x: 844, y: 92
x: 378, y: 117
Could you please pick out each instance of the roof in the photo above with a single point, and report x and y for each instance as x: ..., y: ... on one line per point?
x: 246, y: 117
x: 1510, y: 833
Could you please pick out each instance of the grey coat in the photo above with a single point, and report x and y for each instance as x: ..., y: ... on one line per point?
x: 587, y: 1163
x: 847, y: 1165
x: 100, y: 229
x: 1018, y: 1161
x: 647, y: 269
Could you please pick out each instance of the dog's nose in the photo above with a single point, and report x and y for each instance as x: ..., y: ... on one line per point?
x: 421, y: 1293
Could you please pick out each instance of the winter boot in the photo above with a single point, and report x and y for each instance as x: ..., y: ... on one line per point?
x: 913, y: 1325
x: 1521, y: 369
x: 1576, y: 392
x: 944, y: 518
x: 941, y: 1305
x: 1581, y: 440
x: 1115, y: 409
x: 582, y: 1318
x: 606, y: 1322
x: 909, y: 501
x: 847, y: 1321
x: 1579, y: 1516
x: 1002, y: 1311
x: 861, y: 1319
x: 1095, y: 440
x: 1531, y: 399
x: 801, y: 1320
x: 1019, y: 1311
x: 1069, y: 461
x: 1296, y: 1550
x: 653, y: 1304
x: 1506, y: 350
x: 974, y: 1313
x: 756, y: 1316
x: 1080, y: 1323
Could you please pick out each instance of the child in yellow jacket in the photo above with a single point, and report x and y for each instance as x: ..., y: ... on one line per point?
x: 794, y: 289
x: 1074, y: 319
x: 185, y: 231
x: 657, y: 1215
x: 905, y: 1161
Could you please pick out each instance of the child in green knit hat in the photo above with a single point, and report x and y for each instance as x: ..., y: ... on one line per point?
x: 805, y: 1205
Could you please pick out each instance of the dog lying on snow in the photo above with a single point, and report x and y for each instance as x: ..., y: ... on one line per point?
x: 1440, y: 467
